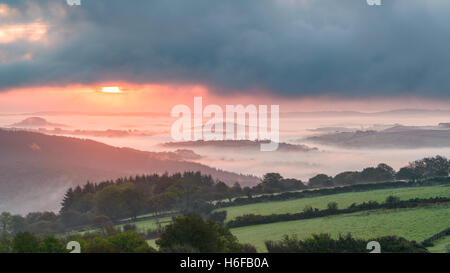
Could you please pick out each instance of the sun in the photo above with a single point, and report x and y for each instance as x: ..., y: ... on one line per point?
x: 111, y: 89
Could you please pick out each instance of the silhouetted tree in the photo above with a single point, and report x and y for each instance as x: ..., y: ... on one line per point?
x: 320, y: 180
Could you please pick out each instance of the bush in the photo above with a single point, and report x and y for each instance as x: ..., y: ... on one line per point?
x: 246, y: 248
x: 129, y: 227
x: 99, y: 245
x: 218, y: 217
x: 193, y: 232
x: 392, y: 199
x: 6, y: 245
x: 51, y: 245
x: 130, y: 242
x: 25, y: 242
x: 308, y: 210
x: 332, y: 206
x: 394, y: 244
x: 179, y: 249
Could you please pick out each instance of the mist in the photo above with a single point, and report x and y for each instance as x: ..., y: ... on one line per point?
x: 294, y: 128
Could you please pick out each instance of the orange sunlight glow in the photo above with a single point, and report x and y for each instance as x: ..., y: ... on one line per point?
x: 111, y: 89
x: 129, y: 97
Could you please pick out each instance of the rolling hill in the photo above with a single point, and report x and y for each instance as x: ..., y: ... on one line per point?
x: 406, y: 137
x: 36, y: 169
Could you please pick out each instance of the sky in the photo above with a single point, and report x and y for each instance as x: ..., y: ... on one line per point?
x: 315, y: 51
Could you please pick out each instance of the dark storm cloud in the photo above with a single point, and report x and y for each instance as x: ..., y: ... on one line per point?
x: 288, y: 47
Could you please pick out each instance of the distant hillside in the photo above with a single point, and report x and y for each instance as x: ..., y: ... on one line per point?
x: 36, y: 122
x: 408, y: 137
x: 238, y: 144
x: 397, y: 113
x: 113, y: 133
x: 36, y: 169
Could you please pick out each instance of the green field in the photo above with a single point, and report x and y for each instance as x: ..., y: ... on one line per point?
x: 413, y: 224
x: 150, y: 215
x: 440, y: 246
x: 344, y: 200
x: 150, y: 224
x: 141, y: 226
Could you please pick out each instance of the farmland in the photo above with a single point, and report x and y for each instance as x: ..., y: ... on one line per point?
x: 413, y: 224
x: 440, y: 245
x: 150, y: 224
x: 343, y: 200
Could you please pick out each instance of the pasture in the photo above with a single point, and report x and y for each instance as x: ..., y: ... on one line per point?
x: 343, y: 200
x: 440, y: 245
x: 412, y: 224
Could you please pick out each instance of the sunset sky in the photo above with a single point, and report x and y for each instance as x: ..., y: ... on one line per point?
x: 306, y: 55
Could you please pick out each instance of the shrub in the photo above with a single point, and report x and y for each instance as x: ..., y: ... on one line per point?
x: 308, y: 210
x: 332, y: 206
x: 218, y: 217
x: 394, y: 244
x: 392, y: 199
x: 179, y: 249
x: 25, y: 242
x: 99, y: 245
x: 129, y: 227
x: 6, y: 245
x: 129, y: 242
x: 207, y: 237
x: 246, y: 248
x: 51, y: 245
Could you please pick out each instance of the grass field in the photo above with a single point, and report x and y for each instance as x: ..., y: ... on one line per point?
x: 141, y: 226
x: 440, y: 246
x: 150, y: 215
x: 412, y: 224
x: 150, y: 224
x: 344, y: 200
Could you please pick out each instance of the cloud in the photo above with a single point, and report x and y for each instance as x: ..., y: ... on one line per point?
x: 29, y: 32
x: 287, y: 47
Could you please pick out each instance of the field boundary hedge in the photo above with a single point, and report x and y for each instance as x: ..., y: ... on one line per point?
x: 436, y: 236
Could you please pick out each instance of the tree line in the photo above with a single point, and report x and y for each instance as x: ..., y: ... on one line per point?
x: 324, y: 243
